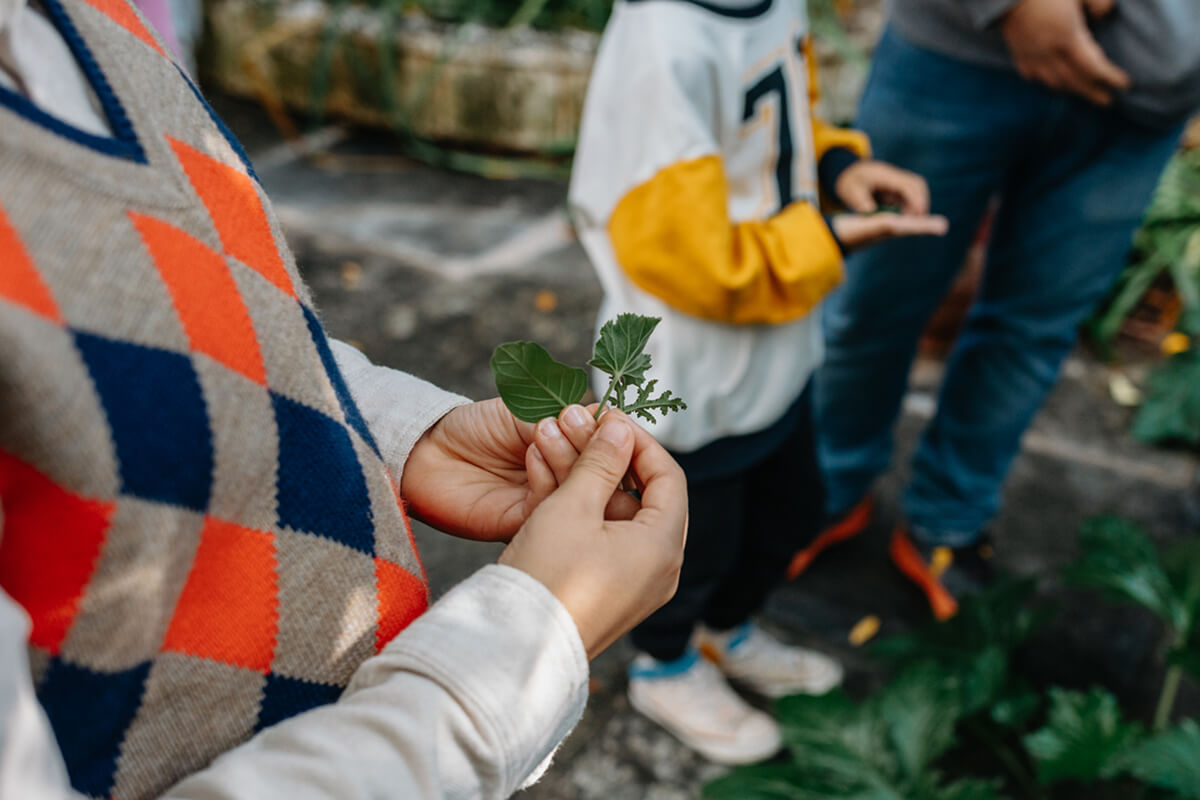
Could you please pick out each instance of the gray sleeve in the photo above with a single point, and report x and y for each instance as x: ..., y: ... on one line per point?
x: 985, y: 13
x: 397, y: 407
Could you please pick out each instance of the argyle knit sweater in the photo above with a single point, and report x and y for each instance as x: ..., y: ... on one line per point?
x: 195, y: 515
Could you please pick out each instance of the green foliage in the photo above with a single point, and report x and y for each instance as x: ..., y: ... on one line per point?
x: 619, y: 354
x: 1167, y: 244
x: 902, y: 743
x: 1171, y: 411
x: 535, y: 386
x: 1083, y: 735
x: 883, y: 748
x: 1118, y: 557
x: 974, y: 645
x: 532, y: 384
x: 1170, y: 760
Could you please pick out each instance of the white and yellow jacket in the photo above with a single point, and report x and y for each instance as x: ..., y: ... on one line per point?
x: 695, y: 195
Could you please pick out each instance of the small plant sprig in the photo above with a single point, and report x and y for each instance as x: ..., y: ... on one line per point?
x: 535, y: 386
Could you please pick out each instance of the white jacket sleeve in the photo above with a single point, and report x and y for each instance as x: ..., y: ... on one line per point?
x: 466, y: 702
x: 398, y: 407
x: 31, y: 768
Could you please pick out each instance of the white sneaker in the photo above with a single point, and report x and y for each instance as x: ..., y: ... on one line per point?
x: 751, y: 656
x: 694, y: 703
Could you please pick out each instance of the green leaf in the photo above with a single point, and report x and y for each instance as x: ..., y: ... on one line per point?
x: 532, y: 384
x: 646, y: 403
x: 1118, y: 557
x: 974, y: 644
x: 881, y: 747
x: 969, y: 790
x: 619, y: 350
x: 765, y: 782
x: 1169, y: 760
x: 1016, y: 706
x: 920, y: 709
x: 1171, y: 411
x: 1082, y: 737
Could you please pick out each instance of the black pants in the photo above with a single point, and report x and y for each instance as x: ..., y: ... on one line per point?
x: 743, y: 531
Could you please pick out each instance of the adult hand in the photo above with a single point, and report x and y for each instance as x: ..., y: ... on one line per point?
x: 609, y: 574
x: 1051, y: 43
x: 480, y: 472
x: 862, y: 230
x: 862, y: 184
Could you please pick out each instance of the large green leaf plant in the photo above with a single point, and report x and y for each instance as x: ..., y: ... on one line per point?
x: 956, y: 696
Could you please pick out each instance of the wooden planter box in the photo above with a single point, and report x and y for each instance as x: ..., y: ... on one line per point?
x: 513, y: 89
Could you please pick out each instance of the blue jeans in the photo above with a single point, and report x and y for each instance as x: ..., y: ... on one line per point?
x: 1073, y: 181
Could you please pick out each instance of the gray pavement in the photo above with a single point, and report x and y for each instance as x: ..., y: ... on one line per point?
x: 427, y: 271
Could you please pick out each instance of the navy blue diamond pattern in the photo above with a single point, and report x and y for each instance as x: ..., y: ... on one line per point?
x: 321, y: 487
x: 159, y: 421
x: 90, y: 712
x: 285, y: 697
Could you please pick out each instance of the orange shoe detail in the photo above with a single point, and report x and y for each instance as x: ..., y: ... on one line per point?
x: 909, y: 561
x: 848, y: 527
x: 709, y: 652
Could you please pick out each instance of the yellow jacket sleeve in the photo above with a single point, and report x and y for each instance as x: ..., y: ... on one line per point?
x: 826, y: 136
x: 673, y: 237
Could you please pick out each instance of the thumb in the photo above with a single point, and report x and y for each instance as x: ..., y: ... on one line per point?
x: 1097, y: 9
x: 600, y: 467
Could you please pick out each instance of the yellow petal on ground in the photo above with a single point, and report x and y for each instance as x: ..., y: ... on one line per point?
x: 1123, y: 391
x: 1175, y: 343
x: 941, y: 560
x: 546, y: 301
x: 864, y: 630
x: 352, y: 273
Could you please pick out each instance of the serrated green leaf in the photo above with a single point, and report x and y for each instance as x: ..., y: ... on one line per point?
x: 1171, y: 411
x: 645, y: 403
x: 619, y: 350
x: 1118, y: 557
x: 1169, y: 760
x: 1083, y: 735
x: 532, y: 384
x: 920, y: 708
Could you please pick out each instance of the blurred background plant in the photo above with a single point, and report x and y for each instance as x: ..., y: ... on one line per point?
x: 959, y: 721
x: 1157, y: 301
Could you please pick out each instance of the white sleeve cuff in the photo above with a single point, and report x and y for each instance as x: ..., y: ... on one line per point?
x: 397, y: 407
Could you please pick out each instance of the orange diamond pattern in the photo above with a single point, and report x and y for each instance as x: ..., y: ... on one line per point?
x: 121, y: 13
x: 20, y: 282
x: 402, y: 598
x: 229, y: 608
x: 236, y: 211
x: 205, y: 295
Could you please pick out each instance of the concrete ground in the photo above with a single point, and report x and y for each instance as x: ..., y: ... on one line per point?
x: 427, y: 271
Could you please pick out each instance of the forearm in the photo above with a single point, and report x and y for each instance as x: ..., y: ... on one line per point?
x: 397, y: 407
x: 465, y: 703
x: 673, y: 238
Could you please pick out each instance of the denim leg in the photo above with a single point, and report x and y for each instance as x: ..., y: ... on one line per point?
x: 941, y: 119
x: 1062, y: 236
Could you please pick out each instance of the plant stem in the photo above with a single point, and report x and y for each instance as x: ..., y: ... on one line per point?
x: 607, y: 394
x: 1166, y: 700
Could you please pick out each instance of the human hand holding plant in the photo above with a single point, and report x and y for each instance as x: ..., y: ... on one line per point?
x: 863, y: 186
x: 609, y: 574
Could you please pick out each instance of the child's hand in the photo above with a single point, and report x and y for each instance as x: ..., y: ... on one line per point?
x: 863, y: 230
x: 863, y: 185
